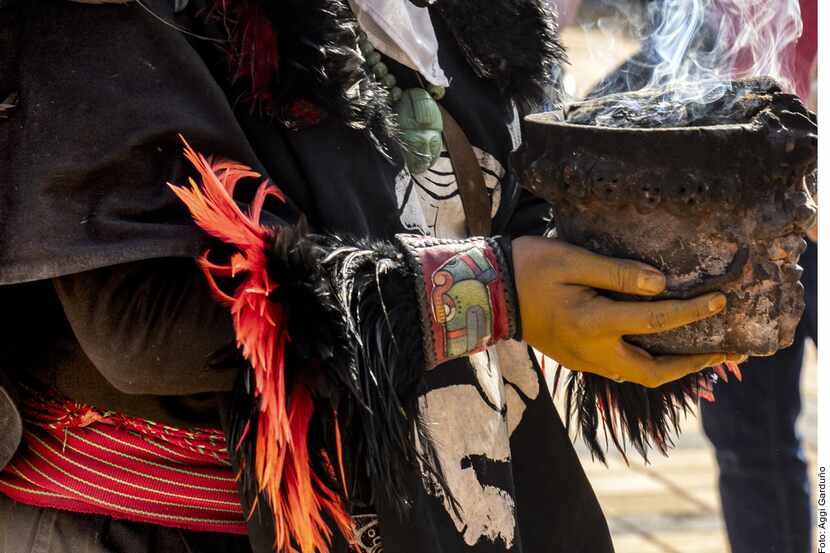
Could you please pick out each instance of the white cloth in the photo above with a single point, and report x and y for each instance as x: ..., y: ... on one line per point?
x: 404, y: 32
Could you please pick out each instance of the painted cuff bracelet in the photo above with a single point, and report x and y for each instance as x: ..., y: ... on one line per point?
x: 465, y: 294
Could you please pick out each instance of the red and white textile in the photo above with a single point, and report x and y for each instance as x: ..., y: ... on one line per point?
x: 76, y: 458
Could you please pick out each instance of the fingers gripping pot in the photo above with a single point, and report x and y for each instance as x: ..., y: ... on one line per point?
x: 718, y: 204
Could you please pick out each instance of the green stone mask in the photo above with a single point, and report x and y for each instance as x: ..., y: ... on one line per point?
x: 419, y: 118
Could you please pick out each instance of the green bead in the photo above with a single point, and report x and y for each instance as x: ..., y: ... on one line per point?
x: 366, y: 47
x: 437, y: 92
x: 373, y: 58
x: 389, y: 81
x: 380, y: 70
x: 396, y: 93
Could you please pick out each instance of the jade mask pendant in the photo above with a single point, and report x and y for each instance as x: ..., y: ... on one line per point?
x: 422, y: 127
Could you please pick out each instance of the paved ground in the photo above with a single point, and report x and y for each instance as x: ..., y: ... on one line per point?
x: 671, y: 505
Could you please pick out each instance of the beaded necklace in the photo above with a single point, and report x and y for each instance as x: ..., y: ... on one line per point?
x: 419, y: 117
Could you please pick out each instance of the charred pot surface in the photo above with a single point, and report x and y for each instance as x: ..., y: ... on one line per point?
x: 716, y: 207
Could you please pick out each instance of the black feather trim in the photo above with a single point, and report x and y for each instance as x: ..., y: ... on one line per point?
x: 516, y: 43
x: 318, y: 60
x: 628, y: 412
x: 355, y: 340
x: 376, y: 297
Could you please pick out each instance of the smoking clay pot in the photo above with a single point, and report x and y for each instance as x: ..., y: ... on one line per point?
x: 716, y: 195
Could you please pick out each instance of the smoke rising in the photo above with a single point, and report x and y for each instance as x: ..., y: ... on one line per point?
x: 694, y: 48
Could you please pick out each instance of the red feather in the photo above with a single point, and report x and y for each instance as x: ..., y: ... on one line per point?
x: 720, y: 370
x: 298, y: 497
x: 734, y: 369
x: 254, y: 50
x: 705, y: 389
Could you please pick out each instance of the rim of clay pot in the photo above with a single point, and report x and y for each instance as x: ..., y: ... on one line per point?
x: 762, y: 143
x: 547, y: 119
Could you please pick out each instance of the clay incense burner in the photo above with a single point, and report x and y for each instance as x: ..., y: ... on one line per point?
x: 719, y: 200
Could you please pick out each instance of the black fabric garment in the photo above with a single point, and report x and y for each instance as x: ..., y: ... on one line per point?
x: 159, y: 324
x: 104, y: 93
x: 42, y: 345
x: 556, y: 507
x: 544, y: 474
x: 26, y: 529
x: 95, y: 139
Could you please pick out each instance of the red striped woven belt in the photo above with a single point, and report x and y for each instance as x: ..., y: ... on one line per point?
x: 80, y: 459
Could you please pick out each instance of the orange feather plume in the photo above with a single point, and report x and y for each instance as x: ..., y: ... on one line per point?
x: 298, y: 497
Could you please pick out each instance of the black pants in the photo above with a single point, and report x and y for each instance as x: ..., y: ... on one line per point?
x: 26, y: 529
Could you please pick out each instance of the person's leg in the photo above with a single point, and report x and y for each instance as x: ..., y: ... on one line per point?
x: 763, y: 475
x: 809, y: 261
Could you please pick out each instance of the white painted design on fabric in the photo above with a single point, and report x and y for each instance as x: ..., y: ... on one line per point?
x: 520, y: 378
x: 468, y: 433
x: 431, y: 204
x: 367, y: 538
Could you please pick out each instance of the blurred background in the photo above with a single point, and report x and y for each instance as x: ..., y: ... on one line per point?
x: 671, y: 505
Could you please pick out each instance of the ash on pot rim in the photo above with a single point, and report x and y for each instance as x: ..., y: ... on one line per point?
x: 737, y: 103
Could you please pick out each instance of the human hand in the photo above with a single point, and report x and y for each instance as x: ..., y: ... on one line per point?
x: 565, y: 318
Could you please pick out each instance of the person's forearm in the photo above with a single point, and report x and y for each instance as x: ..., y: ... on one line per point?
x: 150, y: 327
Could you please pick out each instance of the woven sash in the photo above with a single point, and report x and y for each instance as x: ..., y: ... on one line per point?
x: 79, y: 459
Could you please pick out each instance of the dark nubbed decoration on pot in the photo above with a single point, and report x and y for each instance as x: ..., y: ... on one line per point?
x: 717, y: 196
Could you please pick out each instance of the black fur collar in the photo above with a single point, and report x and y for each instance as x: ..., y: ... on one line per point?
x: 513, y: 42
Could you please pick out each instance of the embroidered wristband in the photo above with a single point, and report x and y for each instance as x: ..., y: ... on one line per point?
x: 465, y: 294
